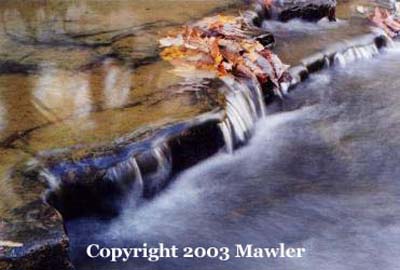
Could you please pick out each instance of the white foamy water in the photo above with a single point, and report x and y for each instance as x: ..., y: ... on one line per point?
x: 355, y: 53
x: 127, y: 174
x: 298, y: 25
x: 244, y: 106
x: 321, y: 173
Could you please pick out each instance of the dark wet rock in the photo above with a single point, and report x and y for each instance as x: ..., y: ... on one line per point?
x: 381, y: 41
x: 298, y: 73
x: 314, y: 62
x: 93, y: 183
x: 32, y: 232
x: 41, y: 231
x: 266, y: 39
x: 16, y: 67
x: 93, y: 179
x: 285, y: 10
x: 306, y: 10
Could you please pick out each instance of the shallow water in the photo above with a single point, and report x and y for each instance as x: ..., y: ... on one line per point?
x: 88, y: 71
x: 297, y: 39
x: 85, y: 73
x: 321, y: 172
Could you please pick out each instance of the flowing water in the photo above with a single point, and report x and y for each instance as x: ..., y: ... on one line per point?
x: 321, y: 172
x: 244, y: 106
x: 297, y: 39
x: 318, y: 170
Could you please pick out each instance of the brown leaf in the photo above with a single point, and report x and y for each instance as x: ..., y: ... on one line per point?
x: 219, y: 44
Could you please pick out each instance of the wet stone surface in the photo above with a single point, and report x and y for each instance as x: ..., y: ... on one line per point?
x: 93, y: 78
x: 74, y: 34
x: 88, y: 76
x: 31, y: 231
x: 311, y: 10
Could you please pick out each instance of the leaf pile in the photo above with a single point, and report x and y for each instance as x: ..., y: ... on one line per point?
x: 223, y: 45
x: 386, y: 21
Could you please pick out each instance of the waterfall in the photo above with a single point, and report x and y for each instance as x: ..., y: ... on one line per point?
x: 155, y: 170
x: 52, y: 181
x: 244, y: 105
x: 138, y: 184
x: 124, y: 173
x: 163, y: 157
x: 226, y: 130
x: 356, y: 53
x: 156, y: 179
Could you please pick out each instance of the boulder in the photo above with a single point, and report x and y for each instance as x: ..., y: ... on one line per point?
x: 309, y: 10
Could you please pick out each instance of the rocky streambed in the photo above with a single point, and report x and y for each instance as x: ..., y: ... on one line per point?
x: 90, y: 114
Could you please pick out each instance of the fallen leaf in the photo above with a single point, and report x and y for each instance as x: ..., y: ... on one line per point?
x: 223, y: 45
x: 383, y: 19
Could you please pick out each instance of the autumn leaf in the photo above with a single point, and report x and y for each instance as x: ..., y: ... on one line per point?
x: 223, y: 45
x: 386, y: 21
